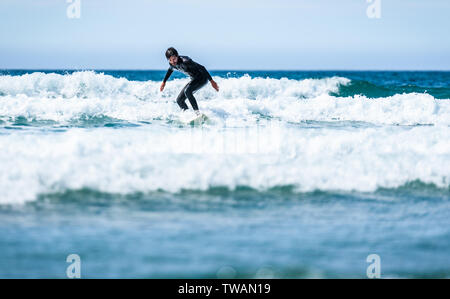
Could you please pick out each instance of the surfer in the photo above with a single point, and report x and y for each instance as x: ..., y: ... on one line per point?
x: 198, y: 73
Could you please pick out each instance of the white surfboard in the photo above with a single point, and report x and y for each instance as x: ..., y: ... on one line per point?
x: 197, y: 120
x: 190, y: 118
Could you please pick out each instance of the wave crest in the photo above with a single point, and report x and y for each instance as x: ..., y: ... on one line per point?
x: 244, y: 100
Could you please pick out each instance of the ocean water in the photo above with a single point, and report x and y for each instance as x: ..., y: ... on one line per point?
x: 296, y: 174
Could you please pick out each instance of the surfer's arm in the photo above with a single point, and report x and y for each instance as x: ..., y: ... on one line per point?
x: 163, y: 84
x: 210, y: 79
x: 213, y: 83
x: 200, y: 68
x: 205, y: 71
x: 197, y: 66
x: 169, y: 72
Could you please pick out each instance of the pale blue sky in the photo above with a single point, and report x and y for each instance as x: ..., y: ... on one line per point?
x: 226, y: 34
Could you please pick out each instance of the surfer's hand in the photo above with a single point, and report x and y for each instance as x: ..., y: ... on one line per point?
x: 162, y: 86
x: 214, y: 85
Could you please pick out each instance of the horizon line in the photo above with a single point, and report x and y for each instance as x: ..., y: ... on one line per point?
x: 223, y: 70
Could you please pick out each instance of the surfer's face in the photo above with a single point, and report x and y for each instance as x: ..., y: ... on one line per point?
x: 173, y: 60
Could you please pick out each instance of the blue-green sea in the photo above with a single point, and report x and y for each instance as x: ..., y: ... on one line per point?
x: 295, y: 174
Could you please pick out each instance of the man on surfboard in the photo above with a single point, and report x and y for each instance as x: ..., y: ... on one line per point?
x: 198, y: 73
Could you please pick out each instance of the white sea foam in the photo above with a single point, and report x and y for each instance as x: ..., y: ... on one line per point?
x: 243, y: 100
x: 250, y: 140
x: 152, y: 157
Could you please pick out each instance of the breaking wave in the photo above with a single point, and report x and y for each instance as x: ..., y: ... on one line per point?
x: 150, y: 158
x: 85, y: 95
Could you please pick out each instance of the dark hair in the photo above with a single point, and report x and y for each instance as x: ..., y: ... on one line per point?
x: 171, y: 52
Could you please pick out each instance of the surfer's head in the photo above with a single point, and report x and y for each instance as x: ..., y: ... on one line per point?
x: 172, y: 55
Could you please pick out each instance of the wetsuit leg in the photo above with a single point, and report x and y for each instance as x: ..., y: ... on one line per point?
x: 192, y: 87
x: 181, y: 99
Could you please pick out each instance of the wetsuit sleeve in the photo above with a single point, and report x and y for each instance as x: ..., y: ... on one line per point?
x: 198, y: 67
x: 169, y: 72
x: 205, y: 71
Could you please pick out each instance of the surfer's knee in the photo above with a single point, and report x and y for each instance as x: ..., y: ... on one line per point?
x: 188, y: 92
x: 181, y: 97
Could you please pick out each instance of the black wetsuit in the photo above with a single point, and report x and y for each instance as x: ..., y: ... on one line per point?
x: 199, y: 77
